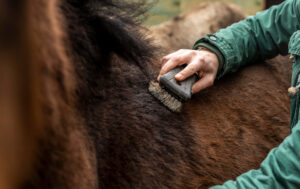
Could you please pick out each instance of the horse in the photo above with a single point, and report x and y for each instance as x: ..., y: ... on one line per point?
x: 76, y: 113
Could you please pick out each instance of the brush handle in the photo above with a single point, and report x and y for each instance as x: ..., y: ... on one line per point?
x: 183, y: 89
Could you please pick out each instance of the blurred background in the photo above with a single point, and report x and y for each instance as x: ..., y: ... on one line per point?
x: 166, y: 9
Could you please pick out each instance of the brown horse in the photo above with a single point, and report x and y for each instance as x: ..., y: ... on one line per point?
x: 183, y: 30
x: 76, y: 112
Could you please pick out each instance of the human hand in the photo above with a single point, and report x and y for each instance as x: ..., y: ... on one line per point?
x: 202, y: 61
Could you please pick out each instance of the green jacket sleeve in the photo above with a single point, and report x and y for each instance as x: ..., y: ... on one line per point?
x: 262, y: 36
x: 280, y: 170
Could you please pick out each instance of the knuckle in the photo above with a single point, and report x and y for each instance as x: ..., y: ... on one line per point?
x: 193, y: 69
x: 210, y: 82
x: 193, y: 53
x: 175, y: 59
x: 161, y: 71
x: 165, y: 59
x: 201, y: 59
x: 164, y: 69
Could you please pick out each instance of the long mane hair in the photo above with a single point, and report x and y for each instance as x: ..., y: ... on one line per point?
x: 100, y: 28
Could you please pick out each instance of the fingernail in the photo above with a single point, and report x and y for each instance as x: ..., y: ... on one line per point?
x: 178, y: 76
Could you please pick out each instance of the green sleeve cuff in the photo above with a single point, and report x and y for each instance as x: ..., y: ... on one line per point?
x: 227, y: 56
x: 215, y: 50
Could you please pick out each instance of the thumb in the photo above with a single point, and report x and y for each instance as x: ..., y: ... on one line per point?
x: 203, y: 83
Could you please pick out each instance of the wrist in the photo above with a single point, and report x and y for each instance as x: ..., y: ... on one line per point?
x: 215, y: 50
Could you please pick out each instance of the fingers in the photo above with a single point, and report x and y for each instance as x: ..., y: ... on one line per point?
x: 170, y: 64
x: 205, y: 63
x: 169, y: 56
x: 171, y: 61
x: 203, y: 83
x: 190, y: 69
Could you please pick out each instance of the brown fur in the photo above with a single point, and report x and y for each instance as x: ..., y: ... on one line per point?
x: 241, y: 118
x: 53, y: 147
x: 182, y: 31
x: 90, y: 122
x: 18, y: 106
x: 64, y: 151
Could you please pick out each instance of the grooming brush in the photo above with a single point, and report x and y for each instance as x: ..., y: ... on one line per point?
x: 170, y: 92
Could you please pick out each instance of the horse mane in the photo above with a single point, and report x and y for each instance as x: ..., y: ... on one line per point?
x: 113, y: 65
x: 100, y: 28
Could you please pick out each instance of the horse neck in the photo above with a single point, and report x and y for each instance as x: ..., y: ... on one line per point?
x: 61, y: 137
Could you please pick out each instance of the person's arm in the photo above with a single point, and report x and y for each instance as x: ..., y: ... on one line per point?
x: 280, y: 170
x: 258, y: 37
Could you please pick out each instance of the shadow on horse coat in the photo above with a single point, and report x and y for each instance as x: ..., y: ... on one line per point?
x: 90, y: 122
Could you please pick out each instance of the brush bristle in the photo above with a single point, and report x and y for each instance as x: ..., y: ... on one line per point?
x: 164, y: 97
